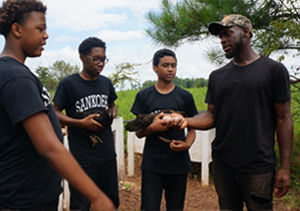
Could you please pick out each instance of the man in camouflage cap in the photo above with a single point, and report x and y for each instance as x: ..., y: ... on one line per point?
x: 229, y: 21
x: 248, y: 101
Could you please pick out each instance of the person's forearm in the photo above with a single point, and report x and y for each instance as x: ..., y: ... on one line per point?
x: 155, y: 126
x: 202, y: 121
x: 190, y: 137
x: 144, y: 132
x: 59, y: 158
x: 68, y: 121
x: 284, y: 132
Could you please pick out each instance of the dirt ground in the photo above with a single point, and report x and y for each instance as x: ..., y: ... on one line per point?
x: 197, y: 197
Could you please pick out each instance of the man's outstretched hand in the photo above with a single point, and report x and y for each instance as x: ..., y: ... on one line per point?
x: 174, y: 120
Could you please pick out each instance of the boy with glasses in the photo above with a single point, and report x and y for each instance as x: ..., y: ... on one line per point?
x: 82, y: 92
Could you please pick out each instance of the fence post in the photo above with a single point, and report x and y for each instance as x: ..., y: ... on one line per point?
x: 205, y: 159
x: 117, y: 127
x: 208, y: 136
x: 64, y: 198
x: 130, y: 152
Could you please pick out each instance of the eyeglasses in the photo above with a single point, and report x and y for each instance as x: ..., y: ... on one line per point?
x: 98, y: 59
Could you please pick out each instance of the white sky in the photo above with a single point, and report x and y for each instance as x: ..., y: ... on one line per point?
x: 121, y: 24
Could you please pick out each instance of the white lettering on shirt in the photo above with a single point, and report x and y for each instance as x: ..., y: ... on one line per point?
x: 91, y: 102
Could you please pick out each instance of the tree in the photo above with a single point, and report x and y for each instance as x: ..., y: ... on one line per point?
x: 182, y: 82
x: 44, y: 75
x: 274, y: 20
x: 148, y: 83
x: 52, y: 75
x: 61, y: 69
x: 276, y: 23
x: 125, y: 73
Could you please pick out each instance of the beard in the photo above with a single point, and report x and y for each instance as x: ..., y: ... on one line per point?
x: 237, y: 48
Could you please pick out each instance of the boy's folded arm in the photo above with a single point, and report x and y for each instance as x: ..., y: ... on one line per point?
x: 156, y: 126
x: 88, y: 122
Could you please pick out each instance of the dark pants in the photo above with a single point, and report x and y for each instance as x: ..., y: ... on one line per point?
x: 105, y: 176
x: 235, y: 188
x: 47, y: 207
x: 153, y: 185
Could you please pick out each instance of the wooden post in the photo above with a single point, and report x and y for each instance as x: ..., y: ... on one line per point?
x: 117, y: 128
x: 130, y: 153
x: 64, y: 198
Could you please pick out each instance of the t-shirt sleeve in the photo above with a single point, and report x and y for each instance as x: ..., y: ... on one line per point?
x: 281, y: 85
x: 113, y: 95
x: 210, y: 94
x: 61, y: 96
x: 22, y: 99
x: 138, y: 106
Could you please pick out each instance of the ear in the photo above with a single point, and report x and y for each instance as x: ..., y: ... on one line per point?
x: 247, y: 32
x: 82, y: 58
x: 16, y: 30
x: 154, y: 68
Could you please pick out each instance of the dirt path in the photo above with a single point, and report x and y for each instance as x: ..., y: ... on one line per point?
x: 197, y: 197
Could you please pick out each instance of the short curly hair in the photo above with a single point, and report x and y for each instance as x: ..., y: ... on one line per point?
x: 16, y: 11
x: 86, y: 45
x: 161, y: 53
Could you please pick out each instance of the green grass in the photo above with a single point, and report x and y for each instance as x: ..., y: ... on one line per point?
x: 124, y: 103
x: 199, y: 97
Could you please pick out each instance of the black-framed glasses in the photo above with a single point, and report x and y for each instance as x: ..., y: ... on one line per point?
x: 98, y: 59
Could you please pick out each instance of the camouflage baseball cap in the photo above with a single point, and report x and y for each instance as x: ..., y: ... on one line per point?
x: 229, y: 21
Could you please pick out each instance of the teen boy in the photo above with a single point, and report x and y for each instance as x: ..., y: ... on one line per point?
x: 29, y: 127
x: 165, y: 165
x: 85, y: 91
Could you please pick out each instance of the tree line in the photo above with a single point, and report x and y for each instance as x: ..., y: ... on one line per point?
x: 182, y: 82
x: 124, y: 74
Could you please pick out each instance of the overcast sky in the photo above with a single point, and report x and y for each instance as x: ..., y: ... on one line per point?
x: 121, y: 24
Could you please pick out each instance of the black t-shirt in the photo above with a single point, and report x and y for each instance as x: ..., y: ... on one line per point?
x: 75, y: 94
x: 243, y: 99
x: 26, y: 179
x: 157, y: 155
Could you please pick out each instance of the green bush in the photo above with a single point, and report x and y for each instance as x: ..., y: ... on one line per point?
x: 124, y: 103
x: 199, y: 97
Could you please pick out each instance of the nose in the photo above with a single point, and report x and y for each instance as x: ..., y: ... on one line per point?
x: 223, y: 40
x: 46, y: 36
x: 100, y: 63
x: 171, y: 68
